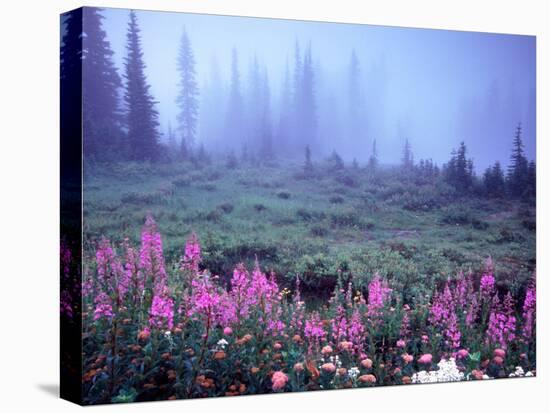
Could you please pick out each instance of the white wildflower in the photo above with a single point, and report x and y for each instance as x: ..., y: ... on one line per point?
x: 448, y: 371
x: 353, y: 372
x: 222, y: 343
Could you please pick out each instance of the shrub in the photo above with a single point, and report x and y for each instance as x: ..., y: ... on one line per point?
x: 319, y: 231
x: 226, y: 207
x: 336, y: 199
x: 283, y: 194
x: 308, y: 215
x: 260, y: 207
x: 350, y: 219
x: 181, y: 181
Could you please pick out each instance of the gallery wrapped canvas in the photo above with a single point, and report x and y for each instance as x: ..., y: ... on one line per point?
x: 254, y: 206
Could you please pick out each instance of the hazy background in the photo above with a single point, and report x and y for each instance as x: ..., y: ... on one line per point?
x: 433, y: 87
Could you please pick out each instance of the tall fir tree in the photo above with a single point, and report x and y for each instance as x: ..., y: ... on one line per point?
x: 518, y: 168
x: 308, y: 106
x: 493, y: 181
x: 373, y: 159
x: 284, y: 127
x: 71, y: 97
x: 297, y: 77
x: 141, y: 115
x: 266, y: 144
x: 355, y: 103
x: 101, y: 83
x: 234, y: 114
x: 459, y: 171
x: 407, y: 161
x: 254, y: 102
x: 188, y: 96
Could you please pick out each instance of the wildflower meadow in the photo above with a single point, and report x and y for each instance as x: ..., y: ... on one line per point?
x: 154, y: 330
x: 254, y: 206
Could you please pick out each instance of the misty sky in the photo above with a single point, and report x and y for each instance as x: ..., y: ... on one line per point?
x: 433, y: 87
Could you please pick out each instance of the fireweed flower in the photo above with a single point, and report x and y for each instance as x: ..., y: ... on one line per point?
x: 313, y: 329
x: 161, y: 314
x: 103, y: 307
x: 443, y: 316
x: 108, y: 266
x: 379, y: 293
x: 151, y: 258
x: 192, y: 254
x: 132, y: 275
x: 502, y: 322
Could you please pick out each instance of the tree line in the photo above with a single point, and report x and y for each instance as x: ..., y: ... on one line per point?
x: 121, y: 121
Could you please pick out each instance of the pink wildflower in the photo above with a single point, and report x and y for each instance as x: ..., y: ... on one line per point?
x: 425, y: 359
x: 279, y: 381
x: 328, y: 368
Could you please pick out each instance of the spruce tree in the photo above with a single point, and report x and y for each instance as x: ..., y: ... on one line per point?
x: 307, y: 114
x: 70, y: 89
x: 518, y: 168
x: 102, y: 115
x: 266, y: 145
x: 234, y: 115
x: 284, y: 128
x: 187, y: 99
x: 407, y: 161
x: 141, y: 115
x: 373, y: 159
x: 355, y: 102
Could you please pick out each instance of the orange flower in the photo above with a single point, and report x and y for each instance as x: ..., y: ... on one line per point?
x: 328, y: 368
x: 254, y: 370
x: 477, y: 374
x: 144, y: 334
x: 219, y: 355
x: 366, y: 363
x: 406, y: 380
x: 367, y: 378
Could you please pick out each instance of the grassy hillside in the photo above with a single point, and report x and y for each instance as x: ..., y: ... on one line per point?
x: 414, y: 231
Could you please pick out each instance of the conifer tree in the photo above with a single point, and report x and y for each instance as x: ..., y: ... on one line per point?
x: 234, y: 115
x: 518, y: 169
x: 187, y: 99
x: 356, y: 101
x: 102, y: 115
x: 141, y: 115
x: 308, y: 107
x: 373, y: 159
x: 70, y: 89
x: 407, y: 161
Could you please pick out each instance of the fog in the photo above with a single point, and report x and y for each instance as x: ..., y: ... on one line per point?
x: 432, y: 87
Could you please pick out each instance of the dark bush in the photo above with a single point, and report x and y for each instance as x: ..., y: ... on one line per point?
x: 226, y: 207
x: 319, y: 231
x: 309, y: 215
x: 283, y: 194
x: 336, y: 199
x: 260, y: 207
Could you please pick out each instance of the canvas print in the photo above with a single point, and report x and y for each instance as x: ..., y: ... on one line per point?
x: 254, y: 206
